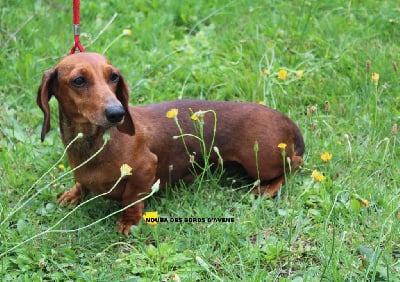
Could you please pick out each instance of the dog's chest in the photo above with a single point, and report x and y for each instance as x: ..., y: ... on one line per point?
x: 101, y: 180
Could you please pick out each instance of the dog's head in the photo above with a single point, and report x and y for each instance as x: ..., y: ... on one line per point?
x: 89, y: 90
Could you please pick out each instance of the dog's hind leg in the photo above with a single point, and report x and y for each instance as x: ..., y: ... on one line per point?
x: 273, y: 186
x: 270, y: 189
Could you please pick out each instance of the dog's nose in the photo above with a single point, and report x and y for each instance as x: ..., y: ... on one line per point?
x: 115, y: 113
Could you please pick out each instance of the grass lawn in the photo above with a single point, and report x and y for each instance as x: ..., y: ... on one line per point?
x: 332, y: 66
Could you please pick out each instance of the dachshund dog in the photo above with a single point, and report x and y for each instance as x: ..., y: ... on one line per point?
x: 93, y: 99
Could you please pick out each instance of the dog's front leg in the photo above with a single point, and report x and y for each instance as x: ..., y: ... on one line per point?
x: 132, y: 215
x: 73, y: 196
x: 137, y: 186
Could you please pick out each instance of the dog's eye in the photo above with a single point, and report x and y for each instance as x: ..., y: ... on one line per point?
x: 79, y: 81
x: 114, y: 77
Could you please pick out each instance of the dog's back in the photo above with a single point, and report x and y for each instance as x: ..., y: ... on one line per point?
x: 235, y: 128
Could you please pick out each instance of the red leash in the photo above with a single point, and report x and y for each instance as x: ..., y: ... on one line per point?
x: 77, y: 43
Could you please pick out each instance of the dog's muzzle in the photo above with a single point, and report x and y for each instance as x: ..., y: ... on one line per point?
x: 115, y: 113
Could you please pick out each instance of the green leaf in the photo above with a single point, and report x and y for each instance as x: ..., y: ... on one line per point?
x: 355, y: 205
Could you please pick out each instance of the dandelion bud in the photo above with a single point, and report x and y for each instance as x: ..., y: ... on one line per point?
x: 201, y: 262
x: 255, y: 147
x: 368, y: 66
x: 156, y: 186
x: 299, y: 74
x: 365, y: 202
x: 176, y: 278
x: 327, y: 107
x: 394, y: 64
x: 127, y: 32
x: 311, y: 110
x: 106, y: 136
x: 395, y: 129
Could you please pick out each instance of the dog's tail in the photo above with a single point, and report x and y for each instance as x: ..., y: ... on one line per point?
x: 299, y: 141
x: 297, y: 160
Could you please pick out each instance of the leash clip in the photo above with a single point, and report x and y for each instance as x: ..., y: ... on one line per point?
x: 76, y: 29
x: 77, y: 43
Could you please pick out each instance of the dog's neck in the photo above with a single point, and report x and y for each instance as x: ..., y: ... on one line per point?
x: 84, y: 147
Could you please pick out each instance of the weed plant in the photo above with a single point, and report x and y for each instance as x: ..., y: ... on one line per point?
x: 204, y: 169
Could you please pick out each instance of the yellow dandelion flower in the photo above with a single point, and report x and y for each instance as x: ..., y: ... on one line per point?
x: 326, y: 157
x: 198, y: 115
x: 151, y: 218
x: 266, y: 71
x: 375, y: 77
x: 282, y: 74
x: 299, y: 74
x: 194, y: 117
x: 125, y: 170
x: 261, y: 103
x: 127, y: 32
x: 317, y: 176
x: 172, y: 113
x: 282, y: 146
x: 364, y: 202
x: 61, y: 167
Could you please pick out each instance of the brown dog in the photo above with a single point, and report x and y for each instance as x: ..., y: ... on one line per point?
x: 93, y: 98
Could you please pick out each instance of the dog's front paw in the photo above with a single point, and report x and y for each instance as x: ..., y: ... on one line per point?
x: 130, y: 217
x: 124, y: 227
x: 71, y: 197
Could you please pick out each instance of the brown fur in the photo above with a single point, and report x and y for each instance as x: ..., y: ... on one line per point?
x: 143, y: 139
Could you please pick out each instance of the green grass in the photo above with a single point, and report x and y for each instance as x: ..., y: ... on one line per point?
x: 345, y: 228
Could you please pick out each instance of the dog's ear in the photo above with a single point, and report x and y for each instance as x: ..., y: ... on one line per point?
x: 44, y: 94
x: 123, y: 96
